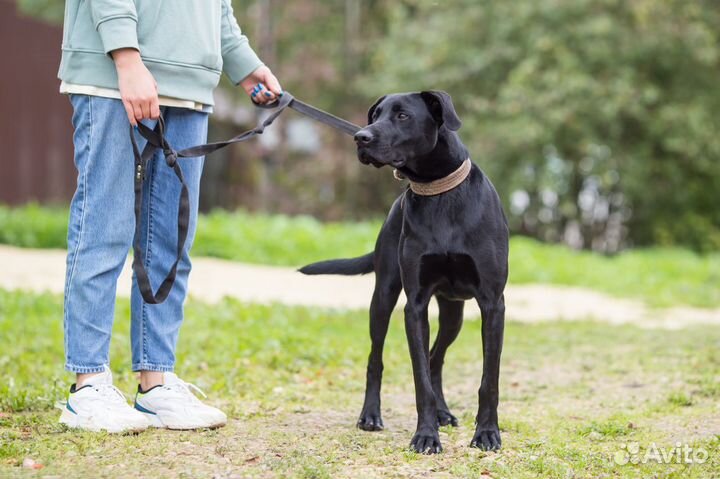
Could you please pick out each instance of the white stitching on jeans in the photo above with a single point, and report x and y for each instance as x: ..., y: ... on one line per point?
x: 71, y: 272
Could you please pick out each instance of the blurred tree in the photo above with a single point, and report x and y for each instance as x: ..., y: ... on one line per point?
x: 597, y: 119
x: 49, y: 10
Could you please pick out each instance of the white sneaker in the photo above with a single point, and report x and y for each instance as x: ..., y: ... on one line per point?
x: 100, y: 406
x: 174, y: 406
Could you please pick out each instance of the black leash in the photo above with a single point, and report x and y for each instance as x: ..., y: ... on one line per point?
x: 156, y: 140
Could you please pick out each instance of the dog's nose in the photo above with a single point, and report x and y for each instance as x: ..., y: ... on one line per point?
x: 363, y: 137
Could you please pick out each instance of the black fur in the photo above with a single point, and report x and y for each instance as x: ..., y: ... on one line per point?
x: 453, y: 246
x: 352, y: 266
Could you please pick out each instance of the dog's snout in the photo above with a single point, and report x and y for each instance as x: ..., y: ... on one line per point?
x: 363, y: 137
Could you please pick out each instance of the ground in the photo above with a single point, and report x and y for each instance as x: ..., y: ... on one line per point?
x: 596, y: 382
x: 575, y: 397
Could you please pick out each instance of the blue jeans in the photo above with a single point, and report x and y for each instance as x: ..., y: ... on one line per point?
x: 102, y: 227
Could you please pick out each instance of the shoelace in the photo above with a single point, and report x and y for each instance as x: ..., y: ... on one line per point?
x: 112, y: 394
x: 186, y: 388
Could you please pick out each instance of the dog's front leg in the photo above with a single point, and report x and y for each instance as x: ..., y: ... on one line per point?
x: 417, y: 329
x: 384, y: 299
x: 487, y: 432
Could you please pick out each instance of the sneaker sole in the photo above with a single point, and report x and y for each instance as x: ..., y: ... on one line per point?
x: 75, y: 421
x: 158, y: 423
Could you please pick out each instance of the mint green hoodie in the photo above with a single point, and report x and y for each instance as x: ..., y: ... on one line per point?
x: 185, y: 44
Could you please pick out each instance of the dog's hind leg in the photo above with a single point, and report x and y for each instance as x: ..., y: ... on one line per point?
x: 450, y: 323
x: 487, y: 432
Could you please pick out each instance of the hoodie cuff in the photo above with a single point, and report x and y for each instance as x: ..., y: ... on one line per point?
x: 118, y: 32
x: 240, y: 62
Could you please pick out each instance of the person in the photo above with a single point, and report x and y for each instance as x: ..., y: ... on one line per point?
x: 128, y: 61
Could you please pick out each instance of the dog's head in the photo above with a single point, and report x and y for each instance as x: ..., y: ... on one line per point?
x: 404, y: 127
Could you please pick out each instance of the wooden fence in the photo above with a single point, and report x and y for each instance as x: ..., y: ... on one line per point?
x: 35, y: 131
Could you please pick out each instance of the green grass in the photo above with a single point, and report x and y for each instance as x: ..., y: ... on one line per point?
x: 574, y: 396
x: 240, y: 236
x: 660, y: 276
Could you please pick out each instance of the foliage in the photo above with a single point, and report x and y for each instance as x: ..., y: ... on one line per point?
x: 48, y: 10
x: 597, y: 117
x: 34, y: 226
x: 291, y: 381
x: 661, y: 276
x: 279, y: 239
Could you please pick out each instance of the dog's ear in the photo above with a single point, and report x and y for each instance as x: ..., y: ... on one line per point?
x: 371, y: 111
x: 442, y: 109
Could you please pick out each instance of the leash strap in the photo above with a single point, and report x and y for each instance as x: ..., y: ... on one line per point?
x: 323, y: 117
x: 141, y: 163
x: 156, y: 140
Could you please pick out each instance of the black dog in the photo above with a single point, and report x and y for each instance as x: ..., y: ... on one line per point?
x: 453, y: 245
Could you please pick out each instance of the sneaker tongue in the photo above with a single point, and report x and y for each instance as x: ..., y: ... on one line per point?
x: 101, y: 379
x: 170, y: 379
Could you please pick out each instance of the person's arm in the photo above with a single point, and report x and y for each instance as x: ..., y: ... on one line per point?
x: 138, y: 88
x: 116, y: 22
x: 241, y: 64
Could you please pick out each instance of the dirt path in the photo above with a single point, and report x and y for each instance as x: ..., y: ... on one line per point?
x: 213, y: 279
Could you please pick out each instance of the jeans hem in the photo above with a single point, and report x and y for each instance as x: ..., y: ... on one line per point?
x: 162, y: 368
x: 74, y: 368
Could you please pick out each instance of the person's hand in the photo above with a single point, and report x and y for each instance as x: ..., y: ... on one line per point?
x: 262, y: 86
x: 138, y: 88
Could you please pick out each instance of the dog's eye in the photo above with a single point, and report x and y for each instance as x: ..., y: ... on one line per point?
x: 403, y: 116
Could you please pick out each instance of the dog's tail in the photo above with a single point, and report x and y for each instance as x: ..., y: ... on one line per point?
x: 347, y: 267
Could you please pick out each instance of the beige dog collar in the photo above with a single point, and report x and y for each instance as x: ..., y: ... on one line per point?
x: 443, y: 184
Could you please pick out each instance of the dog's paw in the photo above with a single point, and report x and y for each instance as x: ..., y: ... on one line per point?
x: 487, y: 439
x: 426, y: 442
x: 445, y: 418
x: 370, y: 422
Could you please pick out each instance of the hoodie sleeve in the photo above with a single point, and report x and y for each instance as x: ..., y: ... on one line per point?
x: 116, y: 22
x: 239, y: 59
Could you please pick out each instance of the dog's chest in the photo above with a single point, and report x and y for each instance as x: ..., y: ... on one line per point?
x: 441, y: 226
x: 443, y: 250
x: 454, y: 275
